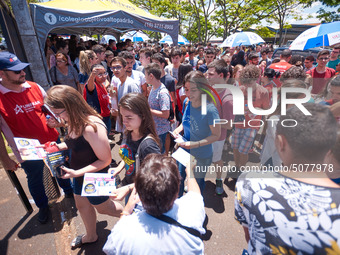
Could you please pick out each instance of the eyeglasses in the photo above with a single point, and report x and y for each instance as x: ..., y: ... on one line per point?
x: 16, y: 72
x: 116, y: 68
x: 60, y: 61
x: 323, y: 59
x: 336, y: 52
x: 102, y: 74
x: 58, y: 114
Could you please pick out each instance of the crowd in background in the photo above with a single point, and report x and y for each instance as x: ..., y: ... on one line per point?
x: 147, y: 91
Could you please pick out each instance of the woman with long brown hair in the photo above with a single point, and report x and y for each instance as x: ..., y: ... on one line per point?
x: 140, y: 136
x: 87, y: 140
x: 199, y: 129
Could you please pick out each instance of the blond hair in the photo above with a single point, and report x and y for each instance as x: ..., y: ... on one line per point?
x: 84, y: 61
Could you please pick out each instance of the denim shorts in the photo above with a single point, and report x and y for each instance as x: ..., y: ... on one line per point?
x: 77, y: 186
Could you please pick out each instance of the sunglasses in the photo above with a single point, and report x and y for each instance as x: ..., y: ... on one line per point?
x: 116, y: 68
x: 16, y: 72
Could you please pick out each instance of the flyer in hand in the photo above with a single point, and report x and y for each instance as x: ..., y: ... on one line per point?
x: 29, y: 148
x: 53, y: 161
x: 98, y: 184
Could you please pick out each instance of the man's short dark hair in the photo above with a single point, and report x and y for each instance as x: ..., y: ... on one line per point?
x: 147, y: 52
x: 61, y: 44
x: 249, y: 74
x: 191, y: 50
x: 335, y: 81
x: 154, y: 69
x: 220, y: 67
x: 286, y: 53
x: 210, y: 52
x: 108, y: 53
x: 157, y: 183
x: 323, y: 52
x: 294, y: 72
x: 310, y: 58
x: 313, y: 136
x: 176, y: 51
x: 264, y: 50
x: 118, y: 59
x: 160, y: 58
x: 200, y: 48
x: 126, y: 55
x: 111, y: 41
x: 253, y: 55
x: 98, y: 48
x: 130, y: 48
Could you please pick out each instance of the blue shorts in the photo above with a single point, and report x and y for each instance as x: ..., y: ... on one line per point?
x: 77, y: 186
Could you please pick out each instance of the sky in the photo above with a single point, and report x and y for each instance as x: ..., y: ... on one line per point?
x: 304, y: 13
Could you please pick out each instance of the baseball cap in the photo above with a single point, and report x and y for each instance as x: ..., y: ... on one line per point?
x: 9, y: 61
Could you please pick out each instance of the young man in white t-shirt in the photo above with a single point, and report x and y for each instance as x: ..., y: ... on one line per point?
x: 138, y: 76
x: 122, y: 85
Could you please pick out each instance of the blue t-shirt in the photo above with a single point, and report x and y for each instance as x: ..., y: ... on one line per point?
x: 83, y: 78
x: 196, y: 127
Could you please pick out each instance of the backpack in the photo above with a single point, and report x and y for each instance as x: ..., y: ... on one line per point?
x: 172, y: 107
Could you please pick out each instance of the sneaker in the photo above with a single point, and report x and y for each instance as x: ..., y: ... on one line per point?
x: 219, y: 187
x: 43, y: 215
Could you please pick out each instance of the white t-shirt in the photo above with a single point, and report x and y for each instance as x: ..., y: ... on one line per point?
x: 128, y: 86
x: 140, y: 233
x: 138, y: 76
x: 172, y: 71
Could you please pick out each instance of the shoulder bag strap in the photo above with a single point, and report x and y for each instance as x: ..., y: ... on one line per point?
x: 171, y: 221
x: 137, y: 154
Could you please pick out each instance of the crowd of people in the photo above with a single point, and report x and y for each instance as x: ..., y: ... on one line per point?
x: 145, y: 92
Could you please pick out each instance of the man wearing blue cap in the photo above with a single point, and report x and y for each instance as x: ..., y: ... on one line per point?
x: 21, y: 116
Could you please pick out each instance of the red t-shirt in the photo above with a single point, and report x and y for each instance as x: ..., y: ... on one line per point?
x: 22, y: 113
x: 225, y: 110
x: 320, y: 79
x: 103, y: 99
x: 281, y: 66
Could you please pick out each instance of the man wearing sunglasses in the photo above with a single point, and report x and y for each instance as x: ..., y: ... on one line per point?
x: 21, y: 115
x: 321, y: 74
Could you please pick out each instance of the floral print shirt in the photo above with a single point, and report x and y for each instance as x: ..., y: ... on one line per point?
x: 286, y: 216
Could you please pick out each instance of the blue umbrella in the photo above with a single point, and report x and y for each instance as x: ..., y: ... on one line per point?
x: 326, y: 34
x: 135, y: 36
x: 242, y: 38
x: 181, y: 40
